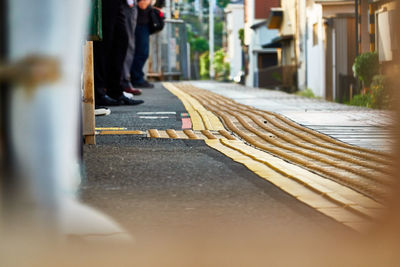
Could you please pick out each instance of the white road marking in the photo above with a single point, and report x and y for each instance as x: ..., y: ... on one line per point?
x: 153, y: 117
x: 157, y: 113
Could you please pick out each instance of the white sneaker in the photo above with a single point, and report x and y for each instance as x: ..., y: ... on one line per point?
x: 128, y: 95
x: 102, y: 111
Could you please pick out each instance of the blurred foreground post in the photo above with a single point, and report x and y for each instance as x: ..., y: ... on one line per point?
x: 44, y: 119
x: 88, y: 117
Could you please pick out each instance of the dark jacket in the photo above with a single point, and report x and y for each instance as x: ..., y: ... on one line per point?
x: 144, y: 16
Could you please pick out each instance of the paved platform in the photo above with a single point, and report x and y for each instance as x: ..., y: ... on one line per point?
x: 158, y: 187
x: 343, y: 181
x: 354, y: 125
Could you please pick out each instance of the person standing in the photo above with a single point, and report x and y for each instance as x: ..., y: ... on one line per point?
x: 131, y: 16
x: 142, y: 42
x: 110, y: 53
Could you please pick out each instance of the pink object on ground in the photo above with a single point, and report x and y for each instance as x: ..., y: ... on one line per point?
x: 186, y: 123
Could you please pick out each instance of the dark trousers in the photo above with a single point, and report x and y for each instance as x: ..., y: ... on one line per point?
x: 142, y: 41
x: 131, y: 15
x: 109, y: 54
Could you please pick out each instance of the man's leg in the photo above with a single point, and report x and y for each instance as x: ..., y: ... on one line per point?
x: 131, y: 15
x: 118, y: 53
x: 102, y: 49
x: 141, y: 53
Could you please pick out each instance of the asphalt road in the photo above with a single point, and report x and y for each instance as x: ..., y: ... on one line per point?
x: 179, y: 188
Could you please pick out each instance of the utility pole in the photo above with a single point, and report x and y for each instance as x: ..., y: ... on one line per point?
x: 357, y: 18
x: 211, y: 38
x: 168, y: 9
x: 357, y: 41
x: 201, y: 16
x: 168, y: 32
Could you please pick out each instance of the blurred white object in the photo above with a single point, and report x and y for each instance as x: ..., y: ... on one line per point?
x: 239, y: 76
x: 45, y: 120
x: 102, y: 111
x: 128, y: 95
x: 87, y: 224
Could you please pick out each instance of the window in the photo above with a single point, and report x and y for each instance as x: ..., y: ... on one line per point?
x: 315, y: 34
x: 385, y: 43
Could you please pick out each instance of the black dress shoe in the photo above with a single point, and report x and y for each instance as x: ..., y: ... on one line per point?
x: 123, y: 100
x: 105, y: 100
x: 144, y: 84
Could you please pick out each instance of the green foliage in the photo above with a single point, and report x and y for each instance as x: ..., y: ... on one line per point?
x: 306, y: 93
x: 241, y: 36
x: 223, y: 3
x: 189, y: 33
x: 220, y: 66
x: 381, y: 94
x: 199, y: 44
x: 198, y: 32
x: 277, y: 76
x: 227, y: 68
x: 361, y: 100
x: 194, y: 24
x: 365, y: 67
x: 205, y: 65
x: 218, y: 33
x: 379, y: 97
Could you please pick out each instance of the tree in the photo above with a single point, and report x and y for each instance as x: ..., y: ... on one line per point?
x: 205, y: 65
x: 222, y: 3
x: 220, y: 66
x: 365, y: 67
x: 241, y: 36
x: 199, y: 44
x: 218, y: 33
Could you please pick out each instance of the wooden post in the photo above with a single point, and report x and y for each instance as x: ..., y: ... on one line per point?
x: 88, y: 117
x: 351, y: 92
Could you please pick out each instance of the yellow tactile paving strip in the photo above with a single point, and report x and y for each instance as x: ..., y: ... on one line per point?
x: 174, y: 134
x: 363, y: 170
x: 202, y: 119
x: 154, y: 133
x: 320, y: 193
x: 109, y: 132
x: 335, y: 200
x: 190, y: 134
x: 317, y: 192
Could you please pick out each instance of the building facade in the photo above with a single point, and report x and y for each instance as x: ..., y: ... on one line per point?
x: 316, y: 45
x: 234, y: 21
x: 256, y: 33
x: 331, y: 48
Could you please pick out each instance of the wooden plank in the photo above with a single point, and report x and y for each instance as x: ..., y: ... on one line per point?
x: 88, y: 117
x: 90, y: 139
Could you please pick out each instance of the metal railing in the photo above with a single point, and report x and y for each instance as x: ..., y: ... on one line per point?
x: 169, y: 52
